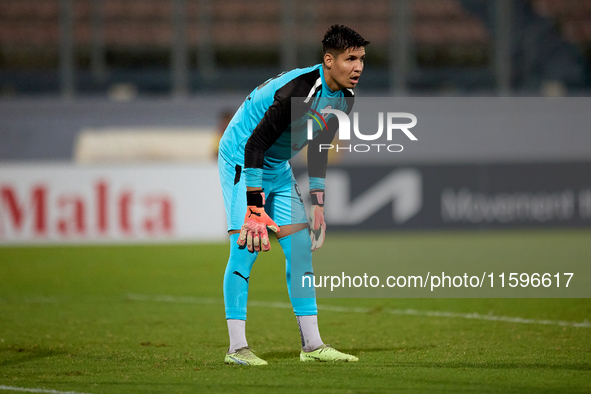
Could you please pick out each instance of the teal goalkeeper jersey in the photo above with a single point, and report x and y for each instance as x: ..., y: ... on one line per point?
x: 269, y: 129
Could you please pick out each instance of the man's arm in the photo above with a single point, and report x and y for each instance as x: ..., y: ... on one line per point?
x: 253, y: 233
x: 317, y: 164
x: 269, y: 129
x: 317, y: 158
x: 272, y: 125
x: 274, y: 122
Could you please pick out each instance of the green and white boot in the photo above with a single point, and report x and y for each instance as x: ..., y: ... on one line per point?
x: 244, y: 356
x: 326, y: 353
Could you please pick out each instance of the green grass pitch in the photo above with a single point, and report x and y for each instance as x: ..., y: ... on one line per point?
x: 150, y: 319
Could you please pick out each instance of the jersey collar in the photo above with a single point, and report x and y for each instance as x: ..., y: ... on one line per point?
x: 327, y: 92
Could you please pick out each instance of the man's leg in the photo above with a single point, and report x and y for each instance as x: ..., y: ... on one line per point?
x: 236, y: 292
x: 298, y: 267
x: 296, y: 245
x: 235, y: 298
x: 288, y: 206
x: 240, y: 263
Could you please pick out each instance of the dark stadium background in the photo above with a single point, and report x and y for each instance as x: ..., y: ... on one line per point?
x: 69, y: 66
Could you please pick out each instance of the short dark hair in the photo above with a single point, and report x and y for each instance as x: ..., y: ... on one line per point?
x: 339, y: 38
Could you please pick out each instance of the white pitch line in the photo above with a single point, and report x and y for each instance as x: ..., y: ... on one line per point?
x: 37, y: 390
x: 331, y: 308
x: 477, y: 316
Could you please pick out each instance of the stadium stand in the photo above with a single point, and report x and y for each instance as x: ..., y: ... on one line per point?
x: 235, y: 22
x: 444, y: 33
x: 573, y: 17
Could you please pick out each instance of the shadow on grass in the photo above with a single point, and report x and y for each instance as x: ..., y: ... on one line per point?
x: 23, y: 355
x: 296, y: 353
x: 280, y: 355
x: 564, y: 365
x: 550, y: 365
x: 492, y: 365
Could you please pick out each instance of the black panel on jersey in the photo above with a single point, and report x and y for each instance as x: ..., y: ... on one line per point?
x: 277, y: 118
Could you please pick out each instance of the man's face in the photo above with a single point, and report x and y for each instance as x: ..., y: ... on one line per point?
x: 344, y: 70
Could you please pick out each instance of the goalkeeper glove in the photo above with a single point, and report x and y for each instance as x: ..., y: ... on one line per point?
x: 254, y: 230
x: 317, y: 224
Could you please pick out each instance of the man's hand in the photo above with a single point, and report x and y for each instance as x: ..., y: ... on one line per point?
x: 253, y: 233
x: 317, y: 224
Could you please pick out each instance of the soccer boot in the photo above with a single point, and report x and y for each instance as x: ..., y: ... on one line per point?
x: 326, y: 353
x: 244, y: 356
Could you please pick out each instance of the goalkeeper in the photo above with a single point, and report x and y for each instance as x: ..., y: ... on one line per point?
x: 259, y: 188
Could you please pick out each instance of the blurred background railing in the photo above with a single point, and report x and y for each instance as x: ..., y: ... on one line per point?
x: 183, y: 47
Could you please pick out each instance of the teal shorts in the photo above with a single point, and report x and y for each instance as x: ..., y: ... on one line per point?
x: 283, y: 197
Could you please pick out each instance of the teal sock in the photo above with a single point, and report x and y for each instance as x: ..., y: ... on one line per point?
x: 299, y: 272
x: 236, y: 279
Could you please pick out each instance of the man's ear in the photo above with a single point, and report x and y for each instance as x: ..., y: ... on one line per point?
x: 328, y: 60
